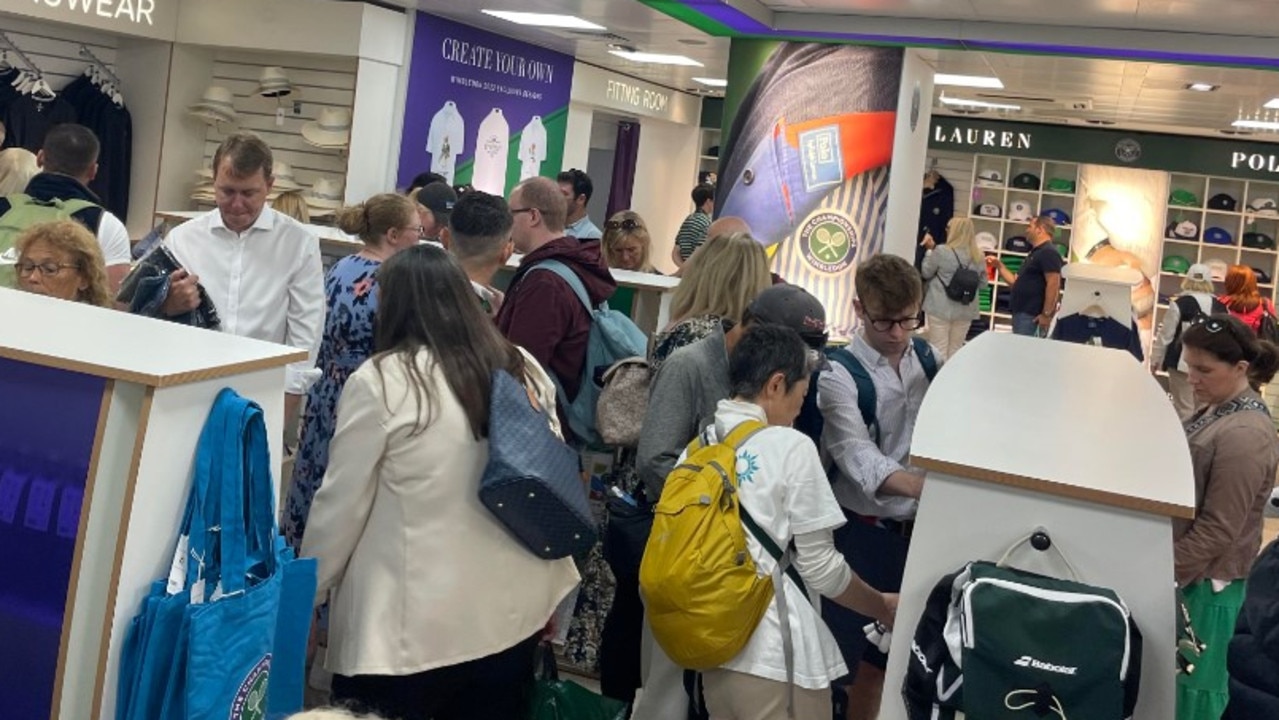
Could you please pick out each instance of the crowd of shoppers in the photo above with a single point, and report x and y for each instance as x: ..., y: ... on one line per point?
x: 404, y: 337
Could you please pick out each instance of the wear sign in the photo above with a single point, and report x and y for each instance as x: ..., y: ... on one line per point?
x: 156, y: 19
x: 482, y: 109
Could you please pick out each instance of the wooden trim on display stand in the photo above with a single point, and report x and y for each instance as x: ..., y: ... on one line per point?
x: 149, y: 380
x: 69, y: 609
x: 131, y: 481
x: 1074, y: 492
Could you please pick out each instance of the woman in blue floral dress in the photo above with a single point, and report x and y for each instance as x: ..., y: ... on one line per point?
x: 385, y: 224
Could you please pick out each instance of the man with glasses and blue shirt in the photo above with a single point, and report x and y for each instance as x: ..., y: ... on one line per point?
x: 868, y: 461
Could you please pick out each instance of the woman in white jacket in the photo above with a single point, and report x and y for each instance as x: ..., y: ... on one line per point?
x: 948, y: 320
x: 1165, y: 351
x: 436, y: 611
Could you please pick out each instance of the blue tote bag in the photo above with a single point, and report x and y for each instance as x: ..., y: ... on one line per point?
x: 212, y: 639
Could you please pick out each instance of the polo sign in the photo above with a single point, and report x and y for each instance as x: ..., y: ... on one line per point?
x: 125, y: 11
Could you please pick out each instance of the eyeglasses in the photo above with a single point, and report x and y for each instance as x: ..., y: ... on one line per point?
x: 517, y: 211
x: 47, y: 269
x: 886, y: 324
x: 421, y: 231
x: 628, y: 224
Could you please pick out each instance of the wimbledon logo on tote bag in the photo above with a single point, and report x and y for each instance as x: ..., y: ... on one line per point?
x: 250, y: 699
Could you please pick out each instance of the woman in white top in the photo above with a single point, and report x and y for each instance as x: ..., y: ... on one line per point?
x: 949, y: 321
x: 436, y: 610
x: 1165, y: 351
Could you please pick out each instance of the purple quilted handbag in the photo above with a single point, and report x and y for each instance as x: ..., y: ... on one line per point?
x: 532, y: 482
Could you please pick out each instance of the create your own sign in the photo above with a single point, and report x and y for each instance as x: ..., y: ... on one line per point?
x: 1101, y: 146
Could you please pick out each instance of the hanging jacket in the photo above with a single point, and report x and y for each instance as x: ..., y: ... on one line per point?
x: 1253, y: 657
x: 935, y: 212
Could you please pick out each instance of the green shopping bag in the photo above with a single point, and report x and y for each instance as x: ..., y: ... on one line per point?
x: 556, y: 699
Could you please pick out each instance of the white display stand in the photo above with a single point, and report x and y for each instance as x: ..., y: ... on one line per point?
x: 1099, y: 290
x: 990, y: 434
x: 159, y: 380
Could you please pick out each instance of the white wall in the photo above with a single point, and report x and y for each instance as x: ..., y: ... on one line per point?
x: 182, y: 143
x: 910, y: 151
x: 664, y: 176
x: 142, y: 67
x: 577, y: 136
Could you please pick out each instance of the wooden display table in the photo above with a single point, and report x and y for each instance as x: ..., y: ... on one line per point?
x: 100, y: 412
x: 1018, y: 433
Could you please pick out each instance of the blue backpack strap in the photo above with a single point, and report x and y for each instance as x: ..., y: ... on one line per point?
x: 927, y: 359
x: 867, y: 397
x: 569, y: 277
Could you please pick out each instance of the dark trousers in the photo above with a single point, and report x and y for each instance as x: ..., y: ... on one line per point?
x: 497, y: 687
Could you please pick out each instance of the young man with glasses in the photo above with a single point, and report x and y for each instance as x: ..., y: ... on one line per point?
x: 872, y: 480
x: 1036, y: 288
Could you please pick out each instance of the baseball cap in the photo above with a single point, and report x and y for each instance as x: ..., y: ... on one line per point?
x: 1061, y: 185
x: 1258, y: 241
x: 1176, y: 264
x: 794, y: 307
x: 1217, y: 269
x: 1018, y: 243
x: 1199, y: 272
x: 1020, y: 211
x: 1263, y: 206
x: 1026, y: 181
x: 986, y: 242
x: 1184, y: 230
x: 1222, y: 201
x: 1062, y: 250
x: 437, y: 197
x: 988, y: 210
x: 990, y: 178
x: 1262, y: 275
x: 1218, y: 236
x: 1183, y: 198
x: 1059, y: 216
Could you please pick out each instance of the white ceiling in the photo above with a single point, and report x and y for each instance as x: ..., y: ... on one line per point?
x: 1134, y: 95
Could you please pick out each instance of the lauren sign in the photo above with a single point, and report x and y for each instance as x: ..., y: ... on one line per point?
x: 972, y: 137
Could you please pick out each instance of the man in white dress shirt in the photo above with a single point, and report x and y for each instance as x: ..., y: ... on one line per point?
x: 261, y: 269
x: 872, y: 480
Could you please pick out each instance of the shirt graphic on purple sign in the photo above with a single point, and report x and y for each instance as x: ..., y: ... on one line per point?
x: 445, y: 141
x: 491, y: 146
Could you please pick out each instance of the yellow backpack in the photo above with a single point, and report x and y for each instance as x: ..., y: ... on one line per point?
x: 702, y: 594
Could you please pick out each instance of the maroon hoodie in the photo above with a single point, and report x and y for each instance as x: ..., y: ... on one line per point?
x: 543, y: 315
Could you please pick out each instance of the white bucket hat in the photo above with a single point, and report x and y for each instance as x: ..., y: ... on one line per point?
x: 284, y: 180
x: 331, y: 130
x: 217, y: 105
x: 274, y: 83
x: 325, y: 194
x: 205, y: 174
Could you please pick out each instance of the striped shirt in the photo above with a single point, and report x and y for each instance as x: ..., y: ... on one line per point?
x: 692, y: 233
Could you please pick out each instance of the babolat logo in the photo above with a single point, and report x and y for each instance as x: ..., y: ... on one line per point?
x: 1030, y: 662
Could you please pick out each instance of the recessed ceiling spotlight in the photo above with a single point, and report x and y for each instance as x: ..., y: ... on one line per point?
x: 973, y: 81
x: 656, y: 58
x: 1202, y: 87
x: 546, y: 20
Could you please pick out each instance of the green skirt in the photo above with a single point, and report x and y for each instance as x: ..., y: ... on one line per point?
x: 1203, y: 694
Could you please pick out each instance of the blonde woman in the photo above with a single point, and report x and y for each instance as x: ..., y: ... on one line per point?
x: 17, y: 167
x: 1196, y: 298
x: 948, y: 321
x: 719, y: 280
x: 62, y: 259
x: 627, y: 244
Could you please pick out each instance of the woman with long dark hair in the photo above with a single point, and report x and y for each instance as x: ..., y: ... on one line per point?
x: 436, y: 610
x: 1234, y: 454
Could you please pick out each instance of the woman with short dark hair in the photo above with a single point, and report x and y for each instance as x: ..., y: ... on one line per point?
x: 1234, y: 453
x: 436, y: 609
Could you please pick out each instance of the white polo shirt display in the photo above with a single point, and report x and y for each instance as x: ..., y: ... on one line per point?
x: 266, y: 282
x: 532, y: 148
x: 492, y: 144
x: 444, y: 141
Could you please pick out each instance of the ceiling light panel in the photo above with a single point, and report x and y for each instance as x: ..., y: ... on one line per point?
x: 973, y: 81
x: 656, y: 58
x: 712, y: 82
x: 545, y: 20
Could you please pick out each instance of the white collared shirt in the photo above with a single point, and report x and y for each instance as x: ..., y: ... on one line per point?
x: 267, y: 282
x: 861, y: 465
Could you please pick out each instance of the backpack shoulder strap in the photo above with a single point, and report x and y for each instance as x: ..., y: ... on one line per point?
x: 743, y: 432
x: 1189, y: 307
x: 927, y: 359
x: 867, y: 397
x: 567, y: 275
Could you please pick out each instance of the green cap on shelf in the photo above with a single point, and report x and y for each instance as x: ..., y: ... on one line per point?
x: 1061, y: 185
x: 1176, y: 264
x: 1183, y: 198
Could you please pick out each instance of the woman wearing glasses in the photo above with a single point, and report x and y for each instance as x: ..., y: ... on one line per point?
x: 386, y: 224
x: 62, y: 259
x: 1234, y: 452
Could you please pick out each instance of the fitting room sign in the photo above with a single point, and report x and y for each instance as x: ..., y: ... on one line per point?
x: 602, y: 88
x: 1148, y: 151
x: 148, y: 18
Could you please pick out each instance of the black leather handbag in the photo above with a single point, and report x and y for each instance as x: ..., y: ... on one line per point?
x: 533, y: 482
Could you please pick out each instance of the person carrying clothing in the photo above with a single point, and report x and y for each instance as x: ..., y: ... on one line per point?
x: 1195, y: 300
x: 68, y: 162
x: 542, y: 313
x: 949, y: 320
x: 783, y: 487
x: 872, y: 481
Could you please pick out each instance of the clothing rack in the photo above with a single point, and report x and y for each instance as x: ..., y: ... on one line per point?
x: 8, y: 46
x: 87, y: 54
